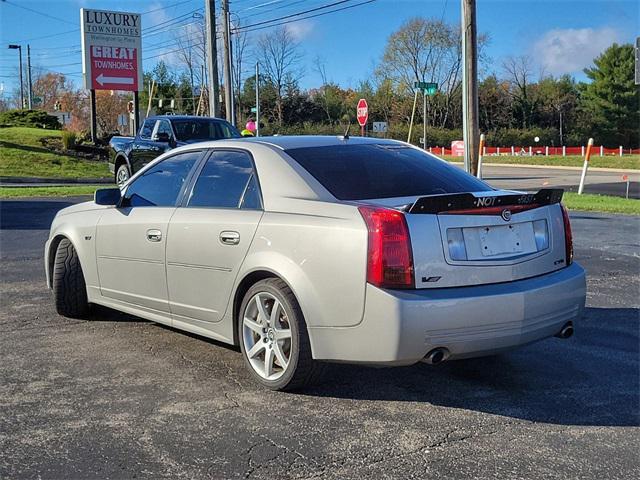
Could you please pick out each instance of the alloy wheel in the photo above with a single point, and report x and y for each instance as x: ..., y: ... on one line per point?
x: 266, y: 333
x: 122, y: 176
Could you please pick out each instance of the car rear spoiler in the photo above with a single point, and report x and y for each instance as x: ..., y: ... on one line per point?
x: 467, y: 203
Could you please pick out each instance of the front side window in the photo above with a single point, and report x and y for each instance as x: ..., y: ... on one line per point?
x: 160, y: 185
x: 164, y: 127
x: 226, y: 181
x: 147, y: 129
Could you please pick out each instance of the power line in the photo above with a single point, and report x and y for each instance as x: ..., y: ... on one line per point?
x: 78, y: 28
x: 296, y: 14
x: 38, y: 12
x: 246, y: 29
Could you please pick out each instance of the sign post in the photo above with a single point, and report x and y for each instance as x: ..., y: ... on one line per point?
x: 430, y: 89
x: 362, y: 113
x: 111, y: 55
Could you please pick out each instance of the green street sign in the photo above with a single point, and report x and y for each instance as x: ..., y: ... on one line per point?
x: 429, y: 88
x: 254, y: 109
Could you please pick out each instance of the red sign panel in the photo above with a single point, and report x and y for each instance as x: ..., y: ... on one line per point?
x: 457, y: 148
x: 362, y: 112
x: 114, y: 68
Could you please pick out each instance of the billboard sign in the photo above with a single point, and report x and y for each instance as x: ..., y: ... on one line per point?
x: 111, y: 50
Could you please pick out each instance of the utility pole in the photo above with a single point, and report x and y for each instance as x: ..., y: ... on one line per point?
x: 19, y: 48
x: 212, y: 57
x: 257, y: 99
x: 228, y: 89
x: 424, y: 113
x: 470, y: 86
x: 29, y: 87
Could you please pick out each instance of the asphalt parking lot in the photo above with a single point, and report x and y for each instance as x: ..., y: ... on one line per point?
x: 120, y: 397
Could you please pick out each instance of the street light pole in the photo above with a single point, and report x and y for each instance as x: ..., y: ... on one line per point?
x: 19, y: 48
x: 29, y: 87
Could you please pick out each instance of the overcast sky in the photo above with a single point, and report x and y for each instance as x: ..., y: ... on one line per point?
x: 563, y: 36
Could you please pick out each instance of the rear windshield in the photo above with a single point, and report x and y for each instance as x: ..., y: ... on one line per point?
x: 359, y: 172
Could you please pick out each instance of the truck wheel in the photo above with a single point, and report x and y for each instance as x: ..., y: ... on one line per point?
x: 122, y: 174
x: 273, y: 338
x: 69, y: 289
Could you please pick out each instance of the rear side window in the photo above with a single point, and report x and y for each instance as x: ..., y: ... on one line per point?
x: 359, y: 172
x: 226, y: 181
x: 161, y: 184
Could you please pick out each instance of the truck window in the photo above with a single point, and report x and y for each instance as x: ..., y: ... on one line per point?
x: 147, y: 128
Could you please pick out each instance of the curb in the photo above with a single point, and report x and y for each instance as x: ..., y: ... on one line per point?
x: 556, y: 167
x: 58, y: 181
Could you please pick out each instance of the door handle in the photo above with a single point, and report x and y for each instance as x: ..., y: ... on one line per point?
x: 154, y: 235
x: 229, y: 237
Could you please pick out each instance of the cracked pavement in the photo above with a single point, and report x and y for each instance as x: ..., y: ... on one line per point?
x: 120, y: 397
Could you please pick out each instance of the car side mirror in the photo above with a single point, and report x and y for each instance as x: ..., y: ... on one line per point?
x: 163, y: 137
x: 107, y: 196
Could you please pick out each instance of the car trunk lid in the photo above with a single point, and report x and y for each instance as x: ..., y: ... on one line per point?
x: 490, y: 237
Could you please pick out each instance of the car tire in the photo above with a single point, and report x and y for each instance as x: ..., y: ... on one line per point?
x: 69, y: 288
x: 122, y: 174
x: 301, y: 370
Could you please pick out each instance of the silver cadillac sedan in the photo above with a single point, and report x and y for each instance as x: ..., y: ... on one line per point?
x: 305, y: 250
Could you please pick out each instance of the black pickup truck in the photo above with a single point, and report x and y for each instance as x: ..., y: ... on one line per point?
x: 159, y: 134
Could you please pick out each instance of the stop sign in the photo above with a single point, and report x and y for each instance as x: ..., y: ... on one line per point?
x: 362, y: 112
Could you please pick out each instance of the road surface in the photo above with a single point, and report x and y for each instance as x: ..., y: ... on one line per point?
x: 120, y: 397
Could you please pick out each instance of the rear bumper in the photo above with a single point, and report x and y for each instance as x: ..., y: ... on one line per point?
x: 401, y: 327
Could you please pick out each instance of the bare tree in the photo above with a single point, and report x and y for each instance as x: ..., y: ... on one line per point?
x: 239, y: 47
x: 280, y: 57
x: 191, y: 52
x: 519, y: 72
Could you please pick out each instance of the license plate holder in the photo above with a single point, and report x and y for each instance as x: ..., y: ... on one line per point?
x: 500, y: 240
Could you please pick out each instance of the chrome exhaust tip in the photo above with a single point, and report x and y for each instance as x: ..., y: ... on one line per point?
x: 566, y: 332
x: 436, y: 356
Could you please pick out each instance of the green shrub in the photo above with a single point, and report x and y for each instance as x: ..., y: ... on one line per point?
x: 29, y: 118
x: 68, y: 139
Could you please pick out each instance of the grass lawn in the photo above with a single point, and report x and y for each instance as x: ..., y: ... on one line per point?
x: 624, y: 162
x: 601, y: 203
x: 23, y: 192
x: 573, y: 201
x: 23, y: 155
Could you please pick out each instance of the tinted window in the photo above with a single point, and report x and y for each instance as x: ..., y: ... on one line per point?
x: 164, y: 127
x: 358, y: 172
x: 251, y: 199
x: 160, y: 185
x: 223, y: 181
x: 194, y: 130
x: 147, y: 129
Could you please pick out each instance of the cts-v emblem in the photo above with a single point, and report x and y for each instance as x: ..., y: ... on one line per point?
x: 506, y: 214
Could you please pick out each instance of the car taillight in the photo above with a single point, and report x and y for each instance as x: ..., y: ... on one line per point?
x: 568, y: 237
x: 389, y: 259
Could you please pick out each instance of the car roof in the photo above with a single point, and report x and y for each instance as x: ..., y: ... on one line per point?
x: 184, y: 117
x: 287, y: 142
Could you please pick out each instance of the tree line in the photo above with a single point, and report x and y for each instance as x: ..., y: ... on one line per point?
x: 517, y: 101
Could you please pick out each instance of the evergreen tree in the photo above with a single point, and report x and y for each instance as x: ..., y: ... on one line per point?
x: 611, y: 102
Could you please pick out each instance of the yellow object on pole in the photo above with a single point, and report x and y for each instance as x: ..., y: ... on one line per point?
x: 480, y: 152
